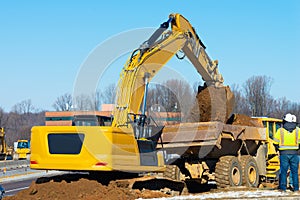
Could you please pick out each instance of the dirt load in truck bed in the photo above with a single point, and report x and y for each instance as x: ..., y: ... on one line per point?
x: 212, y: 104
x: 244, y: 120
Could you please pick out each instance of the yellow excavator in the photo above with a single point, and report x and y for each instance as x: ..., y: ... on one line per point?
x: 6, y: 153
x: 130, y: 143
x: 135, y: 143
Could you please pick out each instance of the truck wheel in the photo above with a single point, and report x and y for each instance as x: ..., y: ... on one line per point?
x: 250, y: 171
x: 173, y: 172
x: 228, y: 172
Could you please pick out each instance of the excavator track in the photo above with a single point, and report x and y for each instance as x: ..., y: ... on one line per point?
x: 152, y: 183
x: 172, y: 172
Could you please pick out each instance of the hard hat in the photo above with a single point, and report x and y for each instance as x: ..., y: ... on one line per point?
x: 294, y: 119
x: 290, y: 118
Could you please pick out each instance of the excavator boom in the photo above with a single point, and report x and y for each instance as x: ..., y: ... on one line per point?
x: 152, y: 55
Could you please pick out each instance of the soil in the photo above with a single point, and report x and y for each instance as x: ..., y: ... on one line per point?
x: 81, y: 189
x: 244, y: 120
x: 59, y: 188
x: 212, y: 104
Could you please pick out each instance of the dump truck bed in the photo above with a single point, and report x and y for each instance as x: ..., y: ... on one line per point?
x: 212, y: 139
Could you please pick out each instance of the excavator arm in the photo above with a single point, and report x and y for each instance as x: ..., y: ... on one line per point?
x: 153, y: 54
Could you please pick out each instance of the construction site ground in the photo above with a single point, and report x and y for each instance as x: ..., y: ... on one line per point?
x: 81, y: 186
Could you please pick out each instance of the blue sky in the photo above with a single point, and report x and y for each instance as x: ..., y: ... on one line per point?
x: 43, y: 44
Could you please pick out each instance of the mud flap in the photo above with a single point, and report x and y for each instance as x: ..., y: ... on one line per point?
x: 260, y: 159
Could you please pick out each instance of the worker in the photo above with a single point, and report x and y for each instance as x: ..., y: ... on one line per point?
x: 287, y: 141
x: 2, y: 191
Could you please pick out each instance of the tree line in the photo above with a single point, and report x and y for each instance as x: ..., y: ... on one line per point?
x: 252, y: 98
x: 19, y: 121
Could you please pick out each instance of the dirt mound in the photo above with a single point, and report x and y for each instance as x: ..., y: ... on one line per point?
x: 212, y: 104
x: 244, y: 120
x: 81, y: 189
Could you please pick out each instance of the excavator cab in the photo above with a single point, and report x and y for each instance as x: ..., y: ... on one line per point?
x: 147, y: 136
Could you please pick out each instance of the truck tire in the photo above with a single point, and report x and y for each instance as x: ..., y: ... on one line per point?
x: 228, y: 172
x: 250, y: 171
x: 173, y: 172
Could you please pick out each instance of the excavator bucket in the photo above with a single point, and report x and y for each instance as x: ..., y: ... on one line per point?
x: 212, y: 104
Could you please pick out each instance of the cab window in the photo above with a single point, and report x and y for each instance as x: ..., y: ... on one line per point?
x: 277, y: 125
x: 271, y: 130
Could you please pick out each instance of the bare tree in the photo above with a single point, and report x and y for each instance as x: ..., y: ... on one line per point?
x: 171, y: 96
x: 63, y: 103
x: 241, y: 105
x: 277, y: 108
x: 97, y: 100
x: 84, y: 102
x: 3, y: 118
x: 19, y: 125
x: 21, y: 114
x: 109, y: 94
x: 257, y: 93
x: 295, y: 108
x: 20, y: 121
x: 24, y: 107
x: 160, y: 98
x: 183, y: 95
